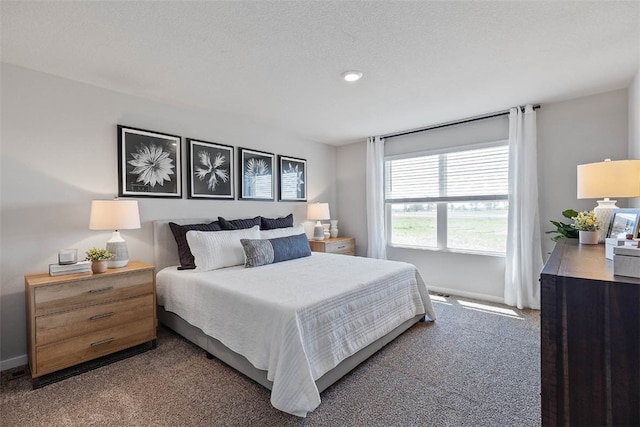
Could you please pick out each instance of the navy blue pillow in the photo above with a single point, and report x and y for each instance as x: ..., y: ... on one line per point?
x: 272, y: 223
x: 268, y: 251
x: 187, y: 262
x: 238, y: 224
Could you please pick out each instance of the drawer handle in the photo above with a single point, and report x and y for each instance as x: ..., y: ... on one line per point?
x: 102, y: 316
x: 108, y: 340
x: 95, y: 291
x: 341, y: 247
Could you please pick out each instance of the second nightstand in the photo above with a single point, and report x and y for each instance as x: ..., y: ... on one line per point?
x: 335, y: 245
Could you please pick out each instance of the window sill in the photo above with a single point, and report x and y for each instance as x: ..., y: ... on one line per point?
x: 448, y: 250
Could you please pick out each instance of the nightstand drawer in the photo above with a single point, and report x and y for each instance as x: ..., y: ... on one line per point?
x: 67, y: 296
x: 64, y: 325
x: 346, y: 246
x: 70, y: 352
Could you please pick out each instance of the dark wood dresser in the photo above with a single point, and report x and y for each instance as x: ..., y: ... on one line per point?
x: 590, y: 339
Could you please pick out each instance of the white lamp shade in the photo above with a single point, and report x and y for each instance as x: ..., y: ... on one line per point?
x: 114, y: 215
x: 620, y: 178
x: 318, y: 211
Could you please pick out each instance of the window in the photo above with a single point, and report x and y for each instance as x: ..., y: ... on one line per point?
x: 454, y: 199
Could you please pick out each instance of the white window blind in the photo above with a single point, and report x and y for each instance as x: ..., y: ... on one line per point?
x: 474, y: 174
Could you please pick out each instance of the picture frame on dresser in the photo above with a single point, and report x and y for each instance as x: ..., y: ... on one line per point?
x: 256, y: 174
x: 149, y: 163
x: 292, y: 182
x: 624, y: 221
x: 210, y: 170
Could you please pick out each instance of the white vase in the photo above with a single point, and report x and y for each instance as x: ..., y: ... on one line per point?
x: 334, y: 228
x: 588, y: 237
x: 327, y: 233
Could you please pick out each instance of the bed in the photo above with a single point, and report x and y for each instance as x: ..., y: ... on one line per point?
x: 295, y: 327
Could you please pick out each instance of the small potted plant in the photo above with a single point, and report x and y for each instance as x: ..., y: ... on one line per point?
x: 564, y: 231
x: 98, y: 258
x: 586, y: 222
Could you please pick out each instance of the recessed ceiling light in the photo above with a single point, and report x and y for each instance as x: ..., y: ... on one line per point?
x: 352, y: 76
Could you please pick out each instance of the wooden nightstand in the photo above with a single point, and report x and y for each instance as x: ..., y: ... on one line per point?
x: 75, y: 318
x: 335, y: 245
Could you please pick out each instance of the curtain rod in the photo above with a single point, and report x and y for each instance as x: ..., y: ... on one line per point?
x: 457, y: 122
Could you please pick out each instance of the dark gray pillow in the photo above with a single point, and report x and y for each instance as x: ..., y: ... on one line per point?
x: 267, y: 251
x: 272, y: 223
x: 238, y: 224
x: 187, y: 262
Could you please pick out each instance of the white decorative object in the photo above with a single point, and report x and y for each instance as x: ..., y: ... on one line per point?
x: 67, y: 256
x: 334, y: 228
x: 626, y: 261
x: 606, y: 179
x: 326, y: 232
x: 115, y: 215
x: 588, y: 237
x: 318, y: 212
x: 610, y: 243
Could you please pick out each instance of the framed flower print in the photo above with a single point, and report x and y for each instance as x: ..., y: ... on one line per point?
x: 149, y: 163
x: 209, y: 170
x: 256, y: 174
x: 292, y: 185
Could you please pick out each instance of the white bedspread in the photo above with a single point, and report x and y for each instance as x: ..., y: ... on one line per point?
x: 297, y: 319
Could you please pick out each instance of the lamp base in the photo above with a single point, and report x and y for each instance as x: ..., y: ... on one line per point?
x: 603, y: 211
x: 318, y: 231
x: 118, y: 248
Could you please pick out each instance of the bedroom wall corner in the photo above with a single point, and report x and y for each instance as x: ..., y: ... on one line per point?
x: 59, y: 151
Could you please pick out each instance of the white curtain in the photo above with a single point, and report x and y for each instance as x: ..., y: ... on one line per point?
x: 524, y: 254
x: 377, y: 247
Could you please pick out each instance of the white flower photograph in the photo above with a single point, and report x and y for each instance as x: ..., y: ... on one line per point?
x: 256, y: 174
x: 149, y: 163
x: 293, y: 179
x: 210, y: 174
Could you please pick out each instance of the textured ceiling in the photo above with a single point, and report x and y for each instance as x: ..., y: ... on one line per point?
x: 279, y: 63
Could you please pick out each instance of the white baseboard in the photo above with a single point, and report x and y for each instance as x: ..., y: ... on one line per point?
x: 464, y: 294
x: 13, y: 362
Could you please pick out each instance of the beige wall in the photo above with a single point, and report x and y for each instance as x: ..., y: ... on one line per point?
x: 59, y: 151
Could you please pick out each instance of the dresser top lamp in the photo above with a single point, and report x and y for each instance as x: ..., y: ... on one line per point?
x: 602, y: 180
x: 318, y: 212
x: 115, y: 215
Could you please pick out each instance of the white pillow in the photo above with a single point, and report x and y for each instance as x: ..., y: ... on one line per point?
x: 218, y: 249
x: 282, y: 232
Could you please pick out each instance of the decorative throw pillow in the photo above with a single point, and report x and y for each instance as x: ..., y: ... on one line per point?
x: 238, y: 224
x: 271, y: 223
x: 217, y: 250
x: 180, y: 234
x: 267, y: 251
x: 282, y: 232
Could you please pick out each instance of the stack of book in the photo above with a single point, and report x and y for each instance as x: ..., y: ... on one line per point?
x: 78, y: 267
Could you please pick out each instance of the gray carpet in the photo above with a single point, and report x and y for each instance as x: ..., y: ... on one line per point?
x: 472, y: 367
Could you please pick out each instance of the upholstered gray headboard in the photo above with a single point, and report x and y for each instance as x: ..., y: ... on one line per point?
x: 165, y: 249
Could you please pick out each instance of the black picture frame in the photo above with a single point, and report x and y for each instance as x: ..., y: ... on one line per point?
x: 149, y: 163
x: 256, y: 174
x: 624, y: 221
x: 210, y: 170
x: 292, y: 182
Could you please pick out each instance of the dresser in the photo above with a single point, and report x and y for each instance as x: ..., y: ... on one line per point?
x: 334, y: 245
x: 76, y: 318
x: 590, y: 339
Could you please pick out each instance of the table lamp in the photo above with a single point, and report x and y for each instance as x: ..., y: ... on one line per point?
x: 318, y: 212
x: 115, y: 215
x: 620, y: 178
